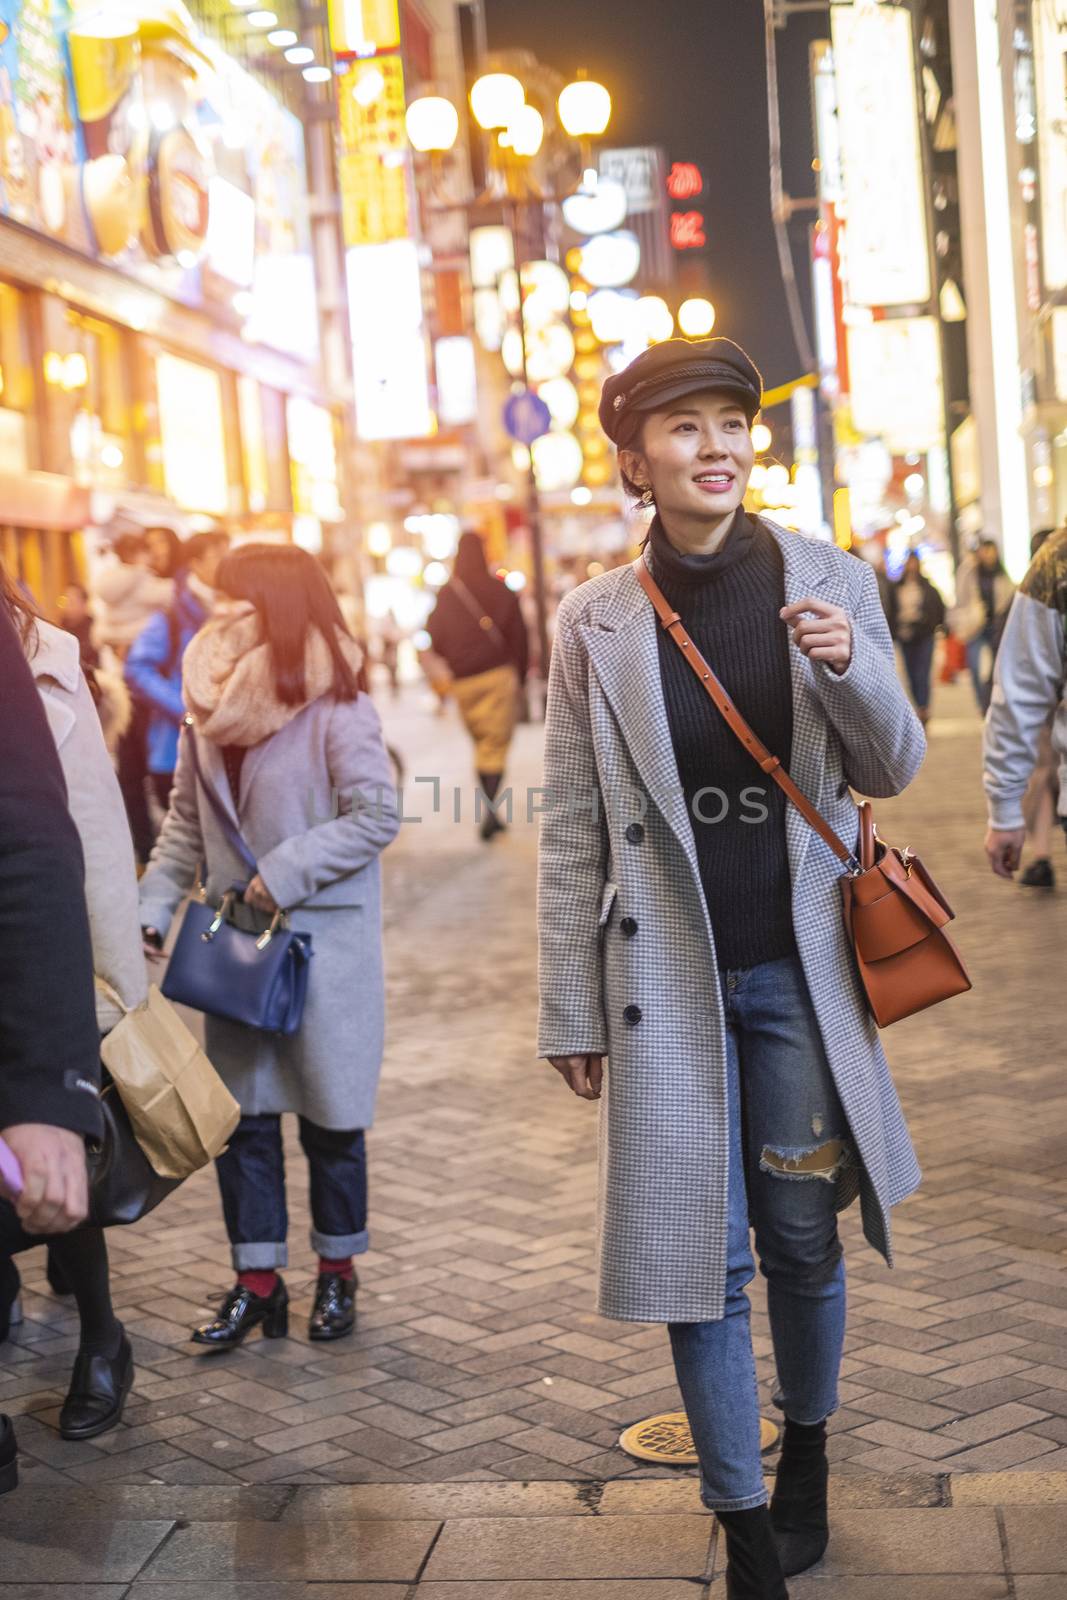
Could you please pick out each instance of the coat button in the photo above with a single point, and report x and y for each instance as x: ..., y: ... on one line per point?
x: 632, y: 1015
x: 628, y: 927
x: 635, y: 833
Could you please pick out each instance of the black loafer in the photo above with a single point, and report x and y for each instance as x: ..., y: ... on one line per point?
x: 240, y: 1312
x: 9, y: 1457
x: 334, y: 1312
x: 98, y: 1390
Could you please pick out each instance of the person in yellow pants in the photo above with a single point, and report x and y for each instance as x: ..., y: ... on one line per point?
x: 478, y: 629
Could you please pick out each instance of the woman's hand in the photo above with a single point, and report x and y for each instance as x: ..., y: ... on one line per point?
x: 259, y: 897
x: 583, y: 1074
x: 825, y: 635
x: 152, y: 944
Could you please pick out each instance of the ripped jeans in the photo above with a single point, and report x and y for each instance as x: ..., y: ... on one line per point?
x: 788, y: 1139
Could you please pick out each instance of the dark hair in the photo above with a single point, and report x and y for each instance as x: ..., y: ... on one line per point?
x: 200, y: 544
x: 16, y: 601
x: 292, y: 595
x: 128, y: 546
x: 991, y: 544
x: 174, y: 547
x: 470, y: 563
x: 1038, y: 540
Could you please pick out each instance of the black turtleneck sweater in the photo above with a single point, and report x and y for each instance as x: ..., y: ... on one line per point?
x: 729, y: 603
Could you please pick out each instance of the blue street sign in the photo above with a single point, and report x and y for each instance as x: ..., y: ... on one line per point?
x: 526, y: 417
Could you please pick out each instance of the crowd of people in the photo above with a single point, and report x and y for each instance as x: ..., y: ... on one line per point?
x: 202, y: 724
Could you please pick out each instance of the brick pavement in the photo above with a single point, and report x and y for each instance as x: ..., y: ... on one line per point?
x: 479, y: 1356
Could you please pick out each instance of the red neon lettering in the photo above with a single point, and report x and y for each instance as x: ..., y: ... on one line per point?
x: 685, y: 181
x: 687, y: 230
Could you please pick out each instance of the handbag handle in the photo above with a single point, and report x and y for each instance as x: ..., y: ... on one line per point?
x: 769, y: 763
x: 225, y: 821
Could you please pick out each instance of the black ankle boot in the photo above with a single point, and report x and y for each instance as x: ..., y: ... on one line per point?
x: 798, y: 1505
x: 241, y: 1311
x: 753, y: 1569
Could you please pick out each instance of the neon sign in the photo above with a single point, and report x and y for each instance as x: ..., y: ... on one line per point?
x: 687, y: 230
x: 685, y: 181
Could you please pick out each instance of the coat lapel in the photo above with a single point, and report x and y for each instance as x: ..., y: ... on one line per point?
x: 214, y: 770
x: 622, y: 648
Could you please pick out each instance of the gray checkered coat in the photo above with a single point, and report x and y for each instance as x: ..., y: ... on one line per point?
x: 663, y: 1122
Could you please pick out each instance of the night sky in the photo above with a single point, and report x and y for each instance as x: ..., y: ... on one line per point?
x: 690, y: 75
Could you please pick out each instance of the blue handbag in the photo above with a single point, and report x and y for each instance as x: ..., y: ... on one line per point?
x: 258, y: 980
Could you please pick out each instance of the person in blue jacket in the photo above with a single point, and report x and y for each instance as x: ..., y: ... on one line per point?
x: 154, y: 664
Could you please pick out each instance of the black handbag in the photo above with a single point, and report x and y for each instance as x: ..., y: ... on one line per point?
x: 123, y: 1184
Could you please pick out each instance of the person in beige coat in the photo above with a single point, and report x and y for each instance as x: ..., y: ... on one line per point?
x: 78, y: 1264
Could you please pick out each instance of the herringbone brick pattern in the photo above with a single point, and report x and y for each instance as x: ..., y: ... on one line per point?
x: 479, y: 1355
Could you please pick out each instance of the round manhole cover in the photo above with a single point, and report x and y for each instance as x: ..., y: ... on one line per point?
x: 667, y: 1439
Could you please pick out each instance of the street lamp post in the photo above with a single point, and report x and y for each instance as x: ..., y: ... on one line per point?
x: 499, y: 104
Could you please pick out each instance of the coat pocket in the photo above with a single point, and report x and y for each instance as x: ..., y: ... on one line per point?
x: 607, y: 900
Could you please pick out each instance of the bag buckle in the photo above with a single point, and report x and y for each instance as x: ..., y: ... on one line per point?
x: 220, y: 916
x: 907, y: 859
x: 275, y: 923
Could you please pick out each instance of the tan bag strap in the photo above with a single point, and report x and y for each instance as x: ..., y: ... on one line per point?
x: 769, y: 763
x: 111, y: 995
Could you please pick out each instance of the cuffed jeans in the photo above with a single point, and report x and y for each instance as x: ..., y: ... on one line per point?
x: 251, y: 1175
x: 784, y: 1113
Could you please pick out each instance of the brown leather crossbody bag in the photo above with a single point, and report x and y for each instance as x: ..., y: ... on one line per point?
x: 895, y: 915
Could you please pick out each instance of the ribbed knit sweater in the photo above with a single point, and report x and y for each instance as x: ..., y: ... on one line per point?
x: 729, y: 603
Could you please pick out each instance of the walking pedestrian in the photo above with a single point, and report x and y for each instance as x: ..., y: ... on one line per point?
x: 1030, y: 687
x: 77, y: 619
x: 983, y: 596
x: 49, y: 1045
x: 915, y: 611
x: 477, y: 628
x: 284, y: 737
x: 127, y: 591
x: 691, y: 932
x: 154, y: 662
x: 78, y: 1263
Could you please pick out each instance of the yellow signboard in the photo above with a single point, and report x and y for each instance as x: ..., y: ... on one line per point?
x: 361, y: 27
x: 373, y: 159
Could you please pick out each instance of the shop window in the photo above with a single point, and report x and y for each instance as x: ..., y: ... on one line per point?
x: 93, y: 371
x: 18, y: 444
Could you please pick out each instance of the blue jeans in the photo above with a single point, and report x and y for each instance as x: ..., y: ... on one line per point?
x: 983, y: 683
x: 918, y: 657
x: 251, y: 1173
x: 784, y: 1112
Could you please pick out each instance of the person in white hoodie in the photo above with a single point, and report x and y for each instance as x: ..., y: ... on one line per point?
x: 103, y: 1368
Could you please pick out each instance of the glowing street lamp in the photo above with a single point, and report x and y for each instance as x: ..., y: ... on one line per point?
x: 654, y: 318
x: 496, y: 98
x: 584, y: 109
x: 696, y: 318
x: 525, y: 132
x: 432, y: 124
x: 761, y: 438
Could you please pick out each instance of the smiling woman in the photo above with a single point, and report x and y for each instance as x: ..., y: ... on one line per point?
x: 698, y: 941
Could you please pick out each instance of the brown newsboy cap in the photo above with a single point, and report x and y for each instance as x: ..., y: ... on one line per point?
x: 672, y: 369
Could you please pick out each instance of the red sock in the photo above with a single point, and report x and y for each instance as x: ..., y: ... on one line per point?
x: 343, y: 1268
x: 260, y: 1283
